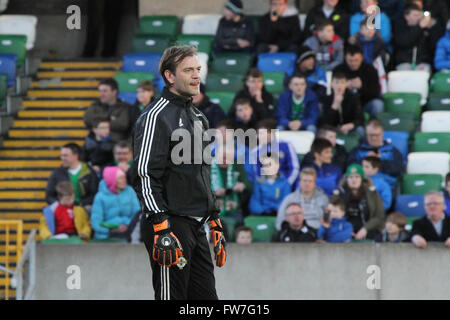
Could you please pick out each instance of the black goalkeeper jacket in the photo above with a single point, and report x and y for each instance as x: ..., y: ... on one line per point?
x: 164, y: 184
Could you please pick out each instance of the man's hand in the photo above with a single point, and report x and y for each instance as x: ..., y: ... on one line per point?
x: 166, y: 246
x: 346, y: 128
x: 373, y: 154
x: 447, y: 243
x: 257, y: 95
x: 273, y: 48
x: 239, y: 187
x: 356, y: 83
x: 295, y: 125
x: 220, y: 192
x: 325, y: 224
x: 120, y: 229
x: 361, y: 234
x: 124, y: 166
x: 218, y: 241
x: 242, y: 43
x: 419, y: 241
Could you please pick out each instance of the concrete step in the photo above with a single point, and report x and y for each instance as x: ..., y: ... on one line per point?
x: 85, y: 74
x: 53, y: 93
x: 49, y: 124
x: 51, y: 114
x: 23, y: 164
x: 6, y: 175
x: 81, y: 65
x: 57, y: 103
x: 49, y: 133
x: 23, y: 184
x: 65, y: 84
x: 39, y: 143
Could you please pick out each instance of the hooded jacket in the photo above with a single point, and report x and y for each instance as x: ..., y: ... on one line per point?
x: 267, y: 197
x: 310, y: 112
x: 328, y: 55
x: 442, y: 56
x: 229, y: 31
x: 340, y: 230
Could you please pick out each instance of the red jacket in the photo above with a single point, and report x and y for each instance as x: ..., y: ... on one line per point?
x: 64, y: 222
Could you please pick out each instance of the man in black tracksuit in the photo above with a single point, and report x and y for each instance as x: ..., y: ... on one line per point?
x: 174, y: 187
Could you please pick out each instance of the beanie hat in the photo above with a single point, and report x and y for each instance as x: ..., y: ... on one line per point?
x: 304, y: 53
x: 110, y: 175
x: 355, y: 169
x: 235, y: 6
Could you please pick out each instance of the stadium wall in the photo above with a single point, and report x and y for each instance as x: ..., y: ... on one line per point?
x: 258, y: 271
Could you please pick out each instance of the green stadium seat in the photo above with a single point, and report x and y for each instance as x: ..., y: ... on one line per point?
x: 230, y: 223
x: 231, y: 63
x: 349, y: 141
x: 143, y: 43
x: 402, y: 102
x: 3, y: 87
x: 203, y: 42
x: 167, y: 25
x: 440, y: 82
x: 439, y: 101
x: 409, y: 223
x: 224, y: 82
x: 420, y: 183
x: 129, y: 81
x: 14, y: 44
x: 432, y: 142
x: 397, y: 121
x: 274, y: 82
x: 223, y: 99
x: 263, y: 227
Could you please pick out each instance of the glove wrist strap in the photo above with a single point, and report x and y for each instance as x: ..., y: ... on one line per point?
x: 161, y: 227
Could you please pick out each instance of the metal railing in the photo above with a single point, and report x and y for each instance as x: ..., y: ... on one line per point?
x: 8, y: 226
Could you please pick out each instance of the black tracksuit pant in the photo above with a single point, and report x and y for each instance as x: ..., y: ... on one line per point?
x: 195, y: 281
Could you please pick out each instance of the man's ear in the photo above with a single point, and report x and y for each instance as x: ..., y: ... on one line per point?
x: 169, y: 76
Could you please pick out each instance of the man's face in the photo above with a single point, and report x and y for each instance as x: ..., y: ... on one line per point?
x: 67, y: 201
x: 186, y: 80
x: 374, y: 136
x: 307, y: 65
x: 298, y: 87
x: 144, y: 96
x: 368, y: 169
x: 278, y: 5
x: 107, y: 95
x: 102, y: 130
x: 254, y: 84
x: 122, y: 155
x: 367, y: 32
x: 307, y: 183
x: 331, y: 3
x: 434, y: 207
x: 244, y: 112
x: 331, y: 136
x: 228, y: 14
x: 339, y: 86
x: 294, y: 216
x: 325, y: 156
x: 413, y: 17
x: 354, y: 62
x: 68, y: 158
x: 367, y: 3
x: 354, y: 181
x: 244, y: 237
x: 326, y: 34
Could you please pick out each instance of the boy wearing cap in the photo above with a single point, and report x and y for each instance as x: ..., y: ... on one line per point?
x: 316, y: 77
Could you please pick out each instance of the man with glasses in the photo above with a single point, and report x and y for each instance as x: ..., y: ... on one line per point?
x: 435, y: 226
x: 294, y: 228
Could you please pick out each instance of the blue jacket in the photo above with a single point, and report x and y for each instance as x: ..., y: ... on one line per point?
x: 385, y: 25
x: 268, y: 197
x: 317, y: 76
x: 328, y: 177
x: 310, y: 113
x: 383, y: 188
x: 112, y: 208
x: 340, y: 230
x: 442, y: 56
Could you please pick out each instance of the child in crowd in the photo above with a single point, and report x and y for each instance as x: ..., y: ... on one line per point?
x: 394, y: 230
x: 244, y: 235
x: 62, y: 219
x: 371, y: 166
x: 98, y: 146
x: 370, y: 40
x: 335, y: 227
x: 244, y: 116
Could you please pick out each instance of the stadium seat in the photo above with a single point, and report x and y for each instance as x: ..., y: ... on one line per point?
x: 348, y: 141
x: 277, y: 62
x: 204, y: 58
x: 263, y: 227
x: 301, y: 140
x: 129, y: 81
x: 224, y: 82
x: 398, y: 139
x: 167, y: 25
x: 14, y: 44
x: 20, y: 24
x: 409, y: 81
x: 223, y: 99
x: 397, y: 121
x: 143, y: 43
x: 3, y: 87
x: 420, y: 183
x: 8, y: 66
x: 141, y: 62
x: 411, y: 205
x: 428, y: 162
x: 200, y: 24
x: 432, y: 142
x: 274, y: 82
x: 231, y: 63
x: 255, y: 21
x: 409, y: 223
x: 436, y: 121
x: 402, y: 102
x: 203, y: 42
x: 230, y: 224
x: 438, y: 101
x: 128, y: 97
x: 440, y: 82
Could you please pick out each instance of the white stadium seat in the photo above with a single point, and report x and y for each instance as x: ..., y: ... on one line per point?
x: 203, y: 57
x: 409, y: 81
x: 301, y: 140
x: 428, y: 162
x: 3, y: 5
x: 200, y: 23
x: 19, y: 24
x: 302, y: 18
x: 436, y: 121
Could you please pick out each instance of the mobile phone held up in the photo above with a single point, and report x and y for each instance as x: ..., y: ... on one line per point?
x: 326, y: 217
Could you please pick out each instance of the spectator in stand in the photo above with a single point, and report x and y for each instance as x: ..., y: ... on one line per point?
x: 339, y: 153
x: 341, y: 108
x: 381, y: 19
x: 394, y: 230
x: 435, y: 226
x: 279, y: 28
x: 329, y: 48
x: 328, y: 175
x: 267, y: 145
x: 270, y: 189
x: 370, y: 41
x: 413, y: 40
x: 63, y: 217
x: 311, y: 198
x: 447, y: 194
x: 244, y: 115
x: 328, y: 9
x: 109, y: 106
x: 244, y: 235
x: 391, y: 158
x: 98, y: 147
x: 145, y: 95
x: 123, y: 158
x: 260, y: 99
x: 442, y: 56
x: 371, y: 166
x: 83, y: 178
x: 298, y: 107
x: 335, y: 228
x: 294, y: 228
x: 362, y: 80
x: 226, y: 137
x: 235, y: 31
x: 364, y: 207
x: 115, y: 205
x: 212, y: 111
x: 316, y: 77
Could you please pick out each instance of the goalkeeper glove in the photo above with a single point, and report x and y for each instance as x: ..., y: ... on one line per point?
x: 219, y: 241
x: 166, y: 246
